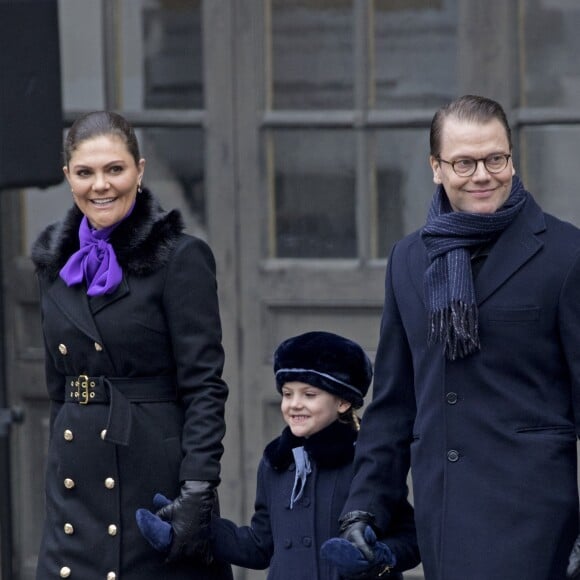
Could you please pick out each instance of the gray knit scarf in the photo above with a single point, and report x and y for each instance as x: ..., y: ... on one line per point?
x: 448, y: 236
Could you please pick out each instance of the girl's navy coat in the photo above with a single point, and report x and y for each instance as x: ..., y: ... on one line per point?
x: 161, y: 325
x: 492, y: 436
x: 289, y: 540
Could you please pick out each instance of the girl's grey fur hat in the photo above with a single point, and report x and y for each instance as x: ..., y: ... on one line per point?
x: 327, y: 361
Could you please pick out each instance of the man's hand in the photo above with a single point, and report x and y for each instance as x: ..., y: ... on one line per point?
x: 350, y: 562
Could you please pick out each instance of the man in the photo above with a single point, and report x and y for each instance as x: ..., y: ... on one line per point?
x: 478, y: 370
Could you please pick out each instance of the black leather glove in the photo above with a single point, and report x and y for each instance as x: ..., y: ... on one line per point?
x: 573, y: 571
x: 352, y: 528
x: 190, y: 516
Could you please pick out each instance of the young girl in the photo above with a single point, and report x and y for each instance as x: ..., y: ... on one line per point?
x: 304, y: 475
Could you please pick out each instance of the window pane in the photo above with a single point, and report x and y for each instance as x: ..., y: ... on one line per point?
x: 161, y: 54
x: 174, y: 172
x: 312, y: 54
x: 314, y: 194
x: 81, y: 54
x: 415, y: 58
x: 404, y: 186
x: 551, y: 46
x: 551, y: 154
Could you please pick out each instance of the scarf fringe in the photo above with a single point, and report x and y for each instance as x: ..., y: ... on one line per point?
x: 457, y: 327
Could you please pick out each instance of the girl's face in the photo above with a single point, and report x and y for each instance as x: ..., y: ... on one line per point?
x: 307, y: 409
x: 104, y: 179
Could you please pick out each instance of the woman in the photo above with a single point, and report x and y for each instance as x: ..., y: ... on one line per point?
x: 133, y: 367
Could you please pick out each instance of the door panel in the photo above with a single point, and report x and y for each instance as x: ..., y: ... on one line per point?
x: 25, y: 386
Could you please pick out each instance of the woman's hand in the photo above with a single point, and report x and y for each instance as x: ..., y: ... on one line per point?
x: 190, y: 516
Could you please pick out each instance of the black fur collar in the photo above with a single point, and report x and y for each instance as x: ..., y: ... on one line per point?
x: 329, y: 448
x: 142, y: 242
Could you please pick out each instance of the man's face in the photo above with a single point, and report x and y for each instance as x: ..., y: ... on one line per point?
x: 482, y: 192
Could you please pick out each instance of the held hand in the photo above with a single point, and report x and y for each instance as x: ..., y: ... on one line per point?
x: 350, y: 562
x: 573, y: 570
x: 157, y: 532
x: 352, y: 528
x: 190, y: 516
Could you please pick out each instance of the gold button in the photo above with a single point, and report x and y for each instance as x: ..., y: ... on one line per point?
x: 98, y: 347
x: 65, y: 572
x: 68, y: 529
x: 68, y: 435
x: 103, y: 434
x: 109, y: 483
x: 69, y: 483
x: 63, y: 350
x: 112, y: 530
x: 111, y: 576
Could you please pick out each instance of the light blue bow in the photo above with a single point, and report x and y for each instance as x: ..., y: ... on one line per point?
x: 303, y: 469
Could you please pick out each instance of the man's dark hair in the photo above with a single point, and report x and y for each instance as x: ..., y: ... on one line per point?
x: 471, y: 108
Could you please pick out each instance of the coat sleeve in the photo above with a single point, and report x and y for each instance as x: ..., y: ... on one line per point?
x: 55, y: 380
x: 247, y: 546
x: 402, y: 538
x: 382, y: 452
x: 191, y: 306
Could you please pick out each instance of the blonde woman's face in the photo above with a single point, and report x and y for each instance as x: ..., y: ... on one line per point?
x: 307, y: 409
x: 104, y: 179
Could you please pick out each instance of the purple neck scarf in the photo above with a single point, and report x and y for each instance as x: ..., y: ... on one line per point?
x: 95, y: 262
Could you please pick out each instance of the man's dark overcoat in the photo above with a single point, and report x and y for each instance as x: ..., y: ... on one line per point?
x: 490, y: 438
x: 289, y: 540
x: 160, y: 328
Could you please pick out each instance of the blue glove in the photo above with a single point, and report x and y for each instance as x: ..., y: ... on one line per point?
x: 350, y: 561
x: 156, y: 531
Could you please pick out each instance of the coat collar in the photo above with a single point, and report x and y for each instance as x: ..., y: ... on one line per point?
x: 515, y: 246
x: 142, y: 242
x: 329, y: 448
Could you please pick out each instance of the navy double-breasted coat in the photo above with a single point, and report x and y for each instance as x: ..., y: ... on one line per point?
x: 491, y: 438
x: 160, y: 327
x: 289, y: 540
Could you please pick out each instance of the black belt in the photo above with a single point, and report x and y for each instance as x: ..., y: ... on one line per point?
x: 119, y: 393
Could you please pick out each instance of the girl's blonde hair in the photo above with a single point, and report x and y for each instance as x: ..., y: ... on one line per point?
x: 350, y: 417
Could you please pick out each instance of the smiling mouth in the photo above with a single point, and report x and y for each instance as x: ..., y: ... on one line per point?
x: 482, y: 192
x: 103, y: 201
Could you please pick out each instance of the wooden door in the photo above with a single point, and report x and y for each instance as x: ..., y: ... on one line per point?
x: 332, y: 169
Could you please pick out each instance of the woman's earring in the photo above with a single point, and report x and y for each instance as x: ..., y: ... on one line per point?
x: 139, y: 190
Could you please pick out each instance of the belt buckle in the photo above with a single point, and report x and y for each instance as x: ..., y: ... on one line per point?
x: 82, y: 387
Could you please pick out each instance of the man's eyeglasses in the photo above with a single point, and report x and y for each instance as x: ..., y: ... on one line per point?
x: 466, y: 166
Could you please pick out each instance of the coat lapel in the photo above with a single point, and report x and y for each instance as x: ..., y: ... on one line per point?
x: 516, y: 246
x: 74, y: 304
x: 417, y: 265
x: 79, y: 308
x: 99, y: 302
